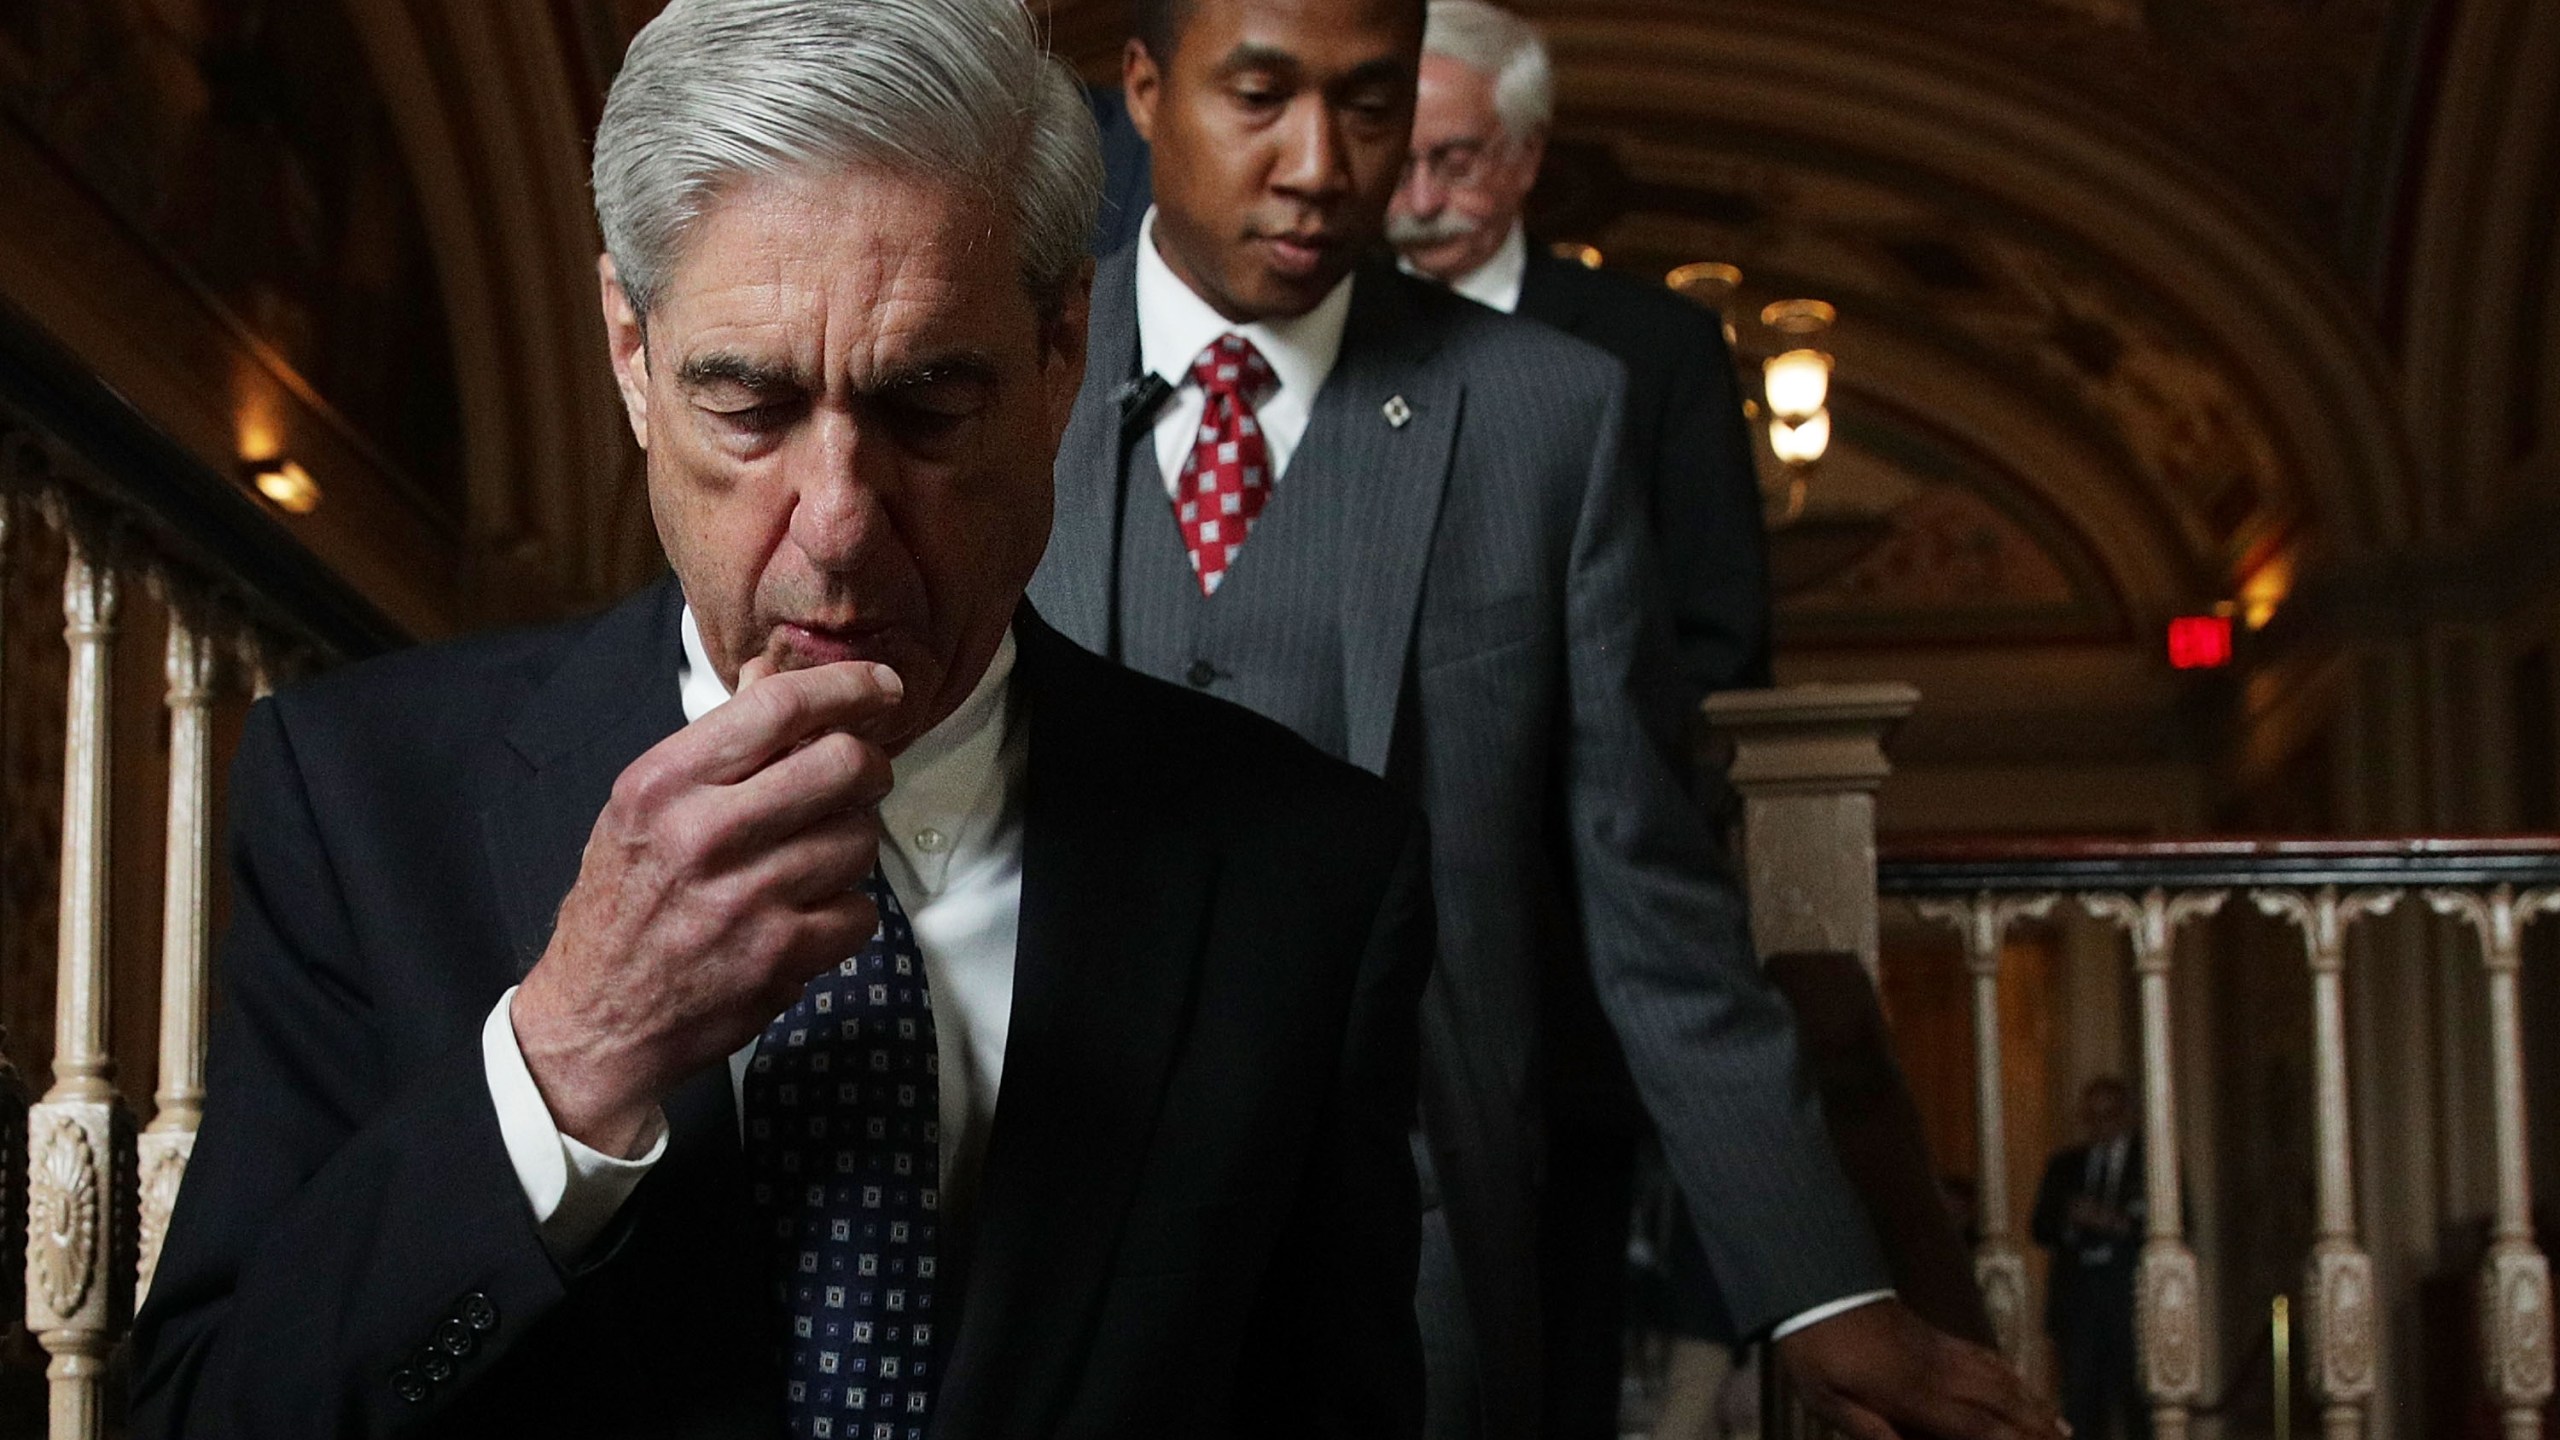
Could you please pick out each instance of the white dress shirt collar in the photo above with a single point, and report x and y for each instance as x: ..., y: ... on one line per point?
x: 953, y: 782
x: 1497, y: 281
x: 1175, y: 325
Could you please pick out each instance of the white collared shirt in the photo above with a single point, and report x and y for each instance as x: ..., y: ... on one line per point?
x: 1175, y: 325
x: 1496, y: 283
x: 953, y: 854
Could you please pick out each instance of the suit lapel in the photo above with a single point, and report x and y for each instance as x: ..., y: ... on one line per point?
x: 1115, y: 911
x: 1393, y: 474
x: 1077, y: 596
x: 612, y: 698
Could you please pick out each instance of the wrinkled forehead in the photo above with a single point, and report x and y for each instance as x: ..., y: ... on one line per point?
x: 854, y: 255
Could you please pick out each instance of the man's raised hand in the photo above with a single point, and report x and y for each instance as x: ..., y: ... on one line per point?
x: 722, y: 875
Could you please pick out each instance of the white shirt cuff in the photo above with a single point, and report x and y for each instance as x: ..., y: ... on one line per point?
x: 574, y: 1189
x: 1820, y: 1313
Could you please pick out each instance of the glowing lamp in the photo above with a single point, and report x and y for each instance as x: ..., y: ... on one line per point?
x: 2200, y: 642
x: 1800, y: 442
x: 1797, y: 382
x: 289, y: 485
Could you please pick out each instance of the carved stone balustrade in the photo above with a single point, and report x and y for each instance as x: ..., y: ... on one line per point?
x: 2323, y: 889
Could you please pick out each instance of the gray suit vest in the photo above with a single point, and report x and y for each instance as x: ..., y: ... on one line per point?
x: 1271, y: 638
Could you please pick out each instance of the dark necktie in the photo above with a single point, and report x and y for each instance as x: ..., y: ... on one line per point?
x: 1226, y: 481
x: 843, y: 1141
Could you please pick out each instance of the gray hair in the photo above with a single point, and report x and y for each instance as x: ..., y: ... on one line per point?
x: 714, y: 92
x: 1495, y: 42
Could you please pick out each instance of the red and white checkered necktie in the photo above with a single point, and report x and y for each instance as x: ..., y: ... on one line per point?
x: 1228, y: 477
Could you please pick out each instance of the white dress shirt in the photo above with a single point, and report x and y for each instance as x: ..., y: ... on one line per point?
x: 1496, y: 282
x: 1175, y: 325
x: 953, y: 855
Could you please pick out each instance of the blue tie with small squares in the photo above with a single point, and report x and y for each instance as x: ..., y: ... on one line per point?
x: 843, y: 1143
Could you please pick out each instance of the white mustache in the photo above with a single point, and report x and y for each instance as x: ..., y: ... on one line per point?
x: 1408, y: 232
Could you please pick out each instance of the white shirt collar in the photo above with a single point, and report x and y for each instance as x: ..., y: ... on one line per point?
x: 1175, y: 325
x: 1497, y: 281
x: 955, y: 782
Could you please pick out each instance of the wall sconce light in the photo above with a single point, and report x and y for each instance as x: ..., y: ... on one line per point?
x: 1797, y: 383
x: 1711, y: 283
x: 1801, y: 442
x: 1586, y: 256
x: 287, y: 484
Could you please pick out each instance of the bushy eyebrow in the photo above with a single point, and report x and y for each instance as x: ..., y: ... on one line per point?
x: 722, y: 367
x: 728, y: 368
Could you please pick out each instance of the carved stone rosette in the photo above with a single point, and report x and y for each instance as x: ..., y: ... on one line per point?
x: 2000, y: 1272
x: 2339, y: 1330
x: 2515, y: 1333
x: 162, y: 1161
x: 2169, y: 1331
x: 69, y: 1191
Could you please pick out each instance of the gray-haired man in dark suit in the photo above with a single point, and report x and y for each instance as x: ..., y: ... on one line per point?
x: 1396, y: 522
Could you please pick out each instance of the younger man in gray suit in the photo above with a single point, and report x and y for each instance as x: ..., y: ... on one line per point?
x: 1395, y: 521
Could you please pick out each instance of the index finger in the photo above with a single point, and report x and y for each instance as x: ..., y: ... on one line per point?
x: 779, y: 713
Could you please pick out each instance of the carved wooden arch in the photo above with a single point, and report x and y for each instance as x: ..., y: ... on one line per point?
x: 2481, y: 307
x: 2284, y: 325
x: 479, y: 93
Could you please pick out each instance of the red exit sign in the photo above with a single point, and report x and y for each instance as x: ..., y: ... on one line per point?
x: 2200, y: 642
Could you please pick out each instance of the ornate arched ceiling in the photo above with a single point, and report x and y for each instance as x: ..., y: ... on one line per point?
x: 2138, y: 292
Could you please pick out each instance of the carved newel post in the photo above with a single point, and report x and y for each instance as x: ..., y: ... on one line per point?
x: 1807, y: 760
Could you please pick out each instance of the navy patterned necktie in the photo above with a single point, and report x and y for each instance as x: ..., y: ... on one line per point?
x: 843, y: 1142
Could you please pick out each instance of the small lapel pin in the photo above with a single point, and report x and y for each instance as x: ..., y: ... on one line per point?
x: 1396, y: 411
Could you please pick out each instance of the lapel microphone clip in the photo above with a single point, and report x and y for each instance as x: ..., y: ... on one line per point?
x: 1139, y: 399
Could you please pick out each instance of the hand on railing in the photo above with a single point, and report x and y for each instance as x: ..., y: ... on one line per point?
x: 1879, y: 1371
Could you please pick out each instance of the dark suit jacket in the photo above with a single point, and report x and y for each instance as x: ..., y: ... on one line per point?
x: 1504, y: 661
x: 2089, y: 1269
x: 1691, y: 453
x: 1197, y: 1214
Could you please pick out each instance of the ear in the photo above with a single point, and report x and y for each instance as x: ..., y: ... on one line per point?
x: 1062, y: 344
x: 627, y: 343
x: 1533, y: 156
x: 1141, y: 85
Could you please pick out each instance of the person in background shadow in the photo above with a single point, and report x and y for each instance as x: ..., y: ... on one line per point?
x: 1397, y: 522
x: 1485, y: 101
x: 2091, y: 1212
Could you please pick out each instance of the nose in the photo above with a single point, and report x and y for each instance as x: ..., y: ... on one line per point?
x: 1420, y: 196
x: 837, y: 515
x: 1311, y: 163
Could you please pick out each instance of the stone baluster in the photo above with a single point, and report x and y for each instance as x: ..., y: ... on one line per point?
x: 2168, y: 1309
x: 2340, y: 1314
x: 1807, y: 760
x: 74, y: 1300
x: 185, y: 925
x: 1999, y: 1262
x: 2515, y: 1277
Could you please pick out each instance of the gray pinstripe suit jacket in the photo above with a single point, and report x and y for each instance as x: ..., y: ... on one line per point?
x: 1506, y: 661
